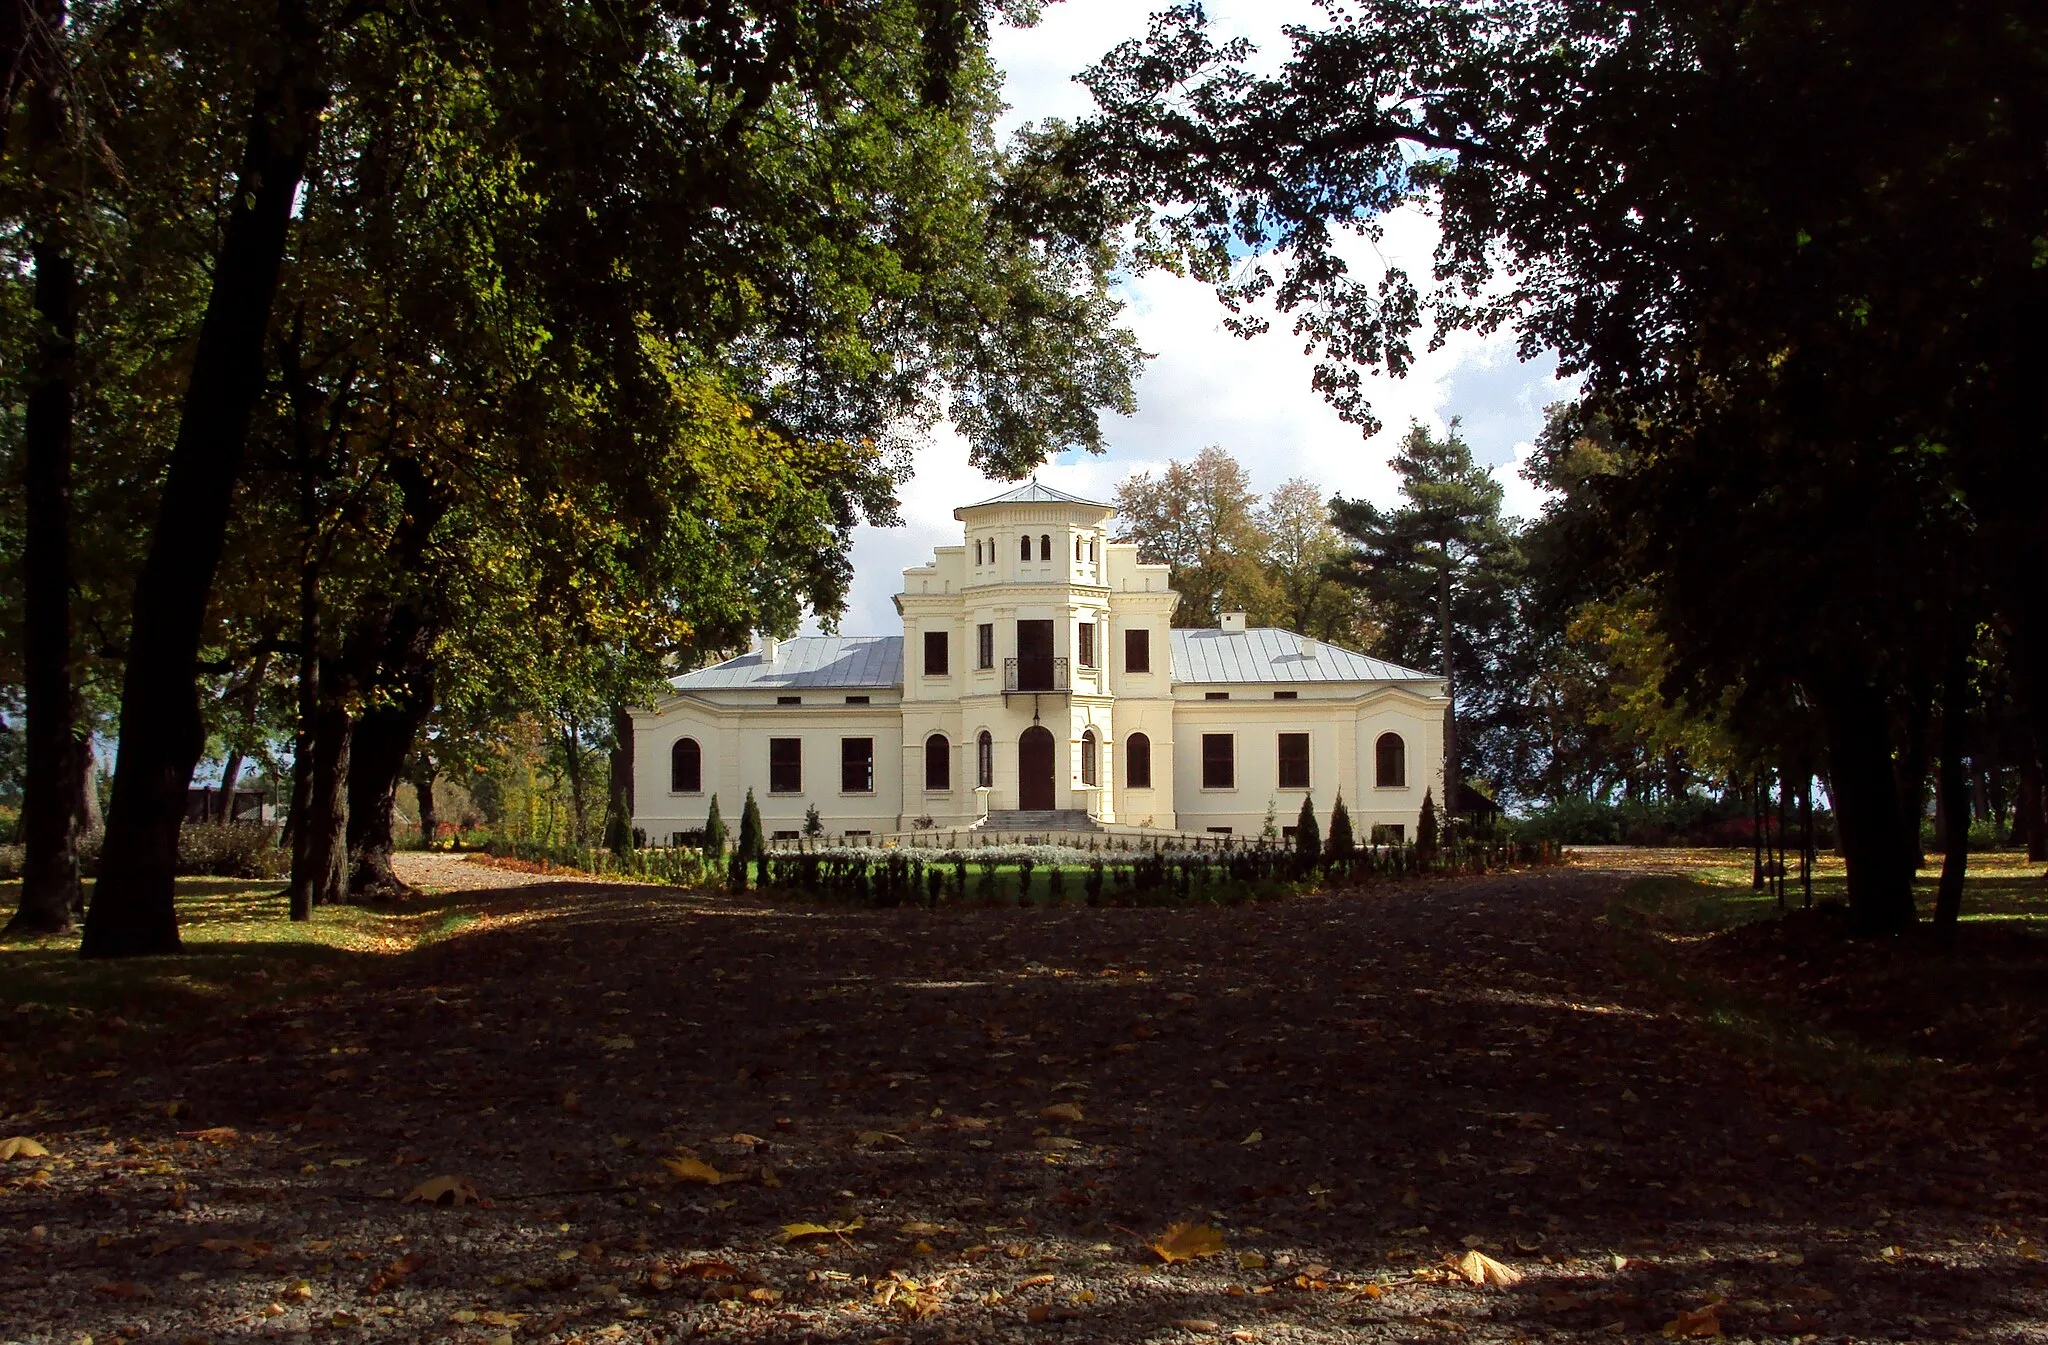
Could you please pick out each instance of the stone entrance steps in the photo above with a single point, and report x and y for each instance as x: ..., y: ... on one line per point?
x: 1050, y: 819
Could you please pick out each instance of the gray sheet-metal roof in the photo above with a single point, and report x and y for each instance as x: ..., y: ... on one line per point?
x: 1031, y: 492
x: 1264, y: 654
x: 806, y: 661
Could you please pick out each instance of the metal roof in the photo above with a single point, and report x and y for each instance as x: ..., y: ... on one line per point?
x: 806, y: 661
x: 1031, y: 492
x: 1264, y: 654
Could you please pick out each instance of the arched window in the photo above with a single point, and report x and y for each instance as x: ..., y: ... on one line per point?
x: 1390, y: 762
x: 686, y: 767
x: 1137, y: 762
x: 1045, y: 546
x: 985, y: 760
x: 938, y: 762
x: 1024, y: 548
x: 977, y: 551
x: 1077, y: 546
x: 1092, y: 557
x: 1088, y: 756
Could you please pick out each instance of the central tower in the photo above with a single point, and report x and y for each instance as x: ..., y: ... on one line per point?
x: 1030, y: 651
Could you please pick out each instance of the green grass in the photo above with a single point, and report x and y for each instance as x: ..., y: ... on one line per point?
x: 240, y: 948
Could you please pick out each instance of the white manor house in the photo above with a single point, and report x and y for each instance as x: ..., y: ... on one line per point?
x: 1039, y: 685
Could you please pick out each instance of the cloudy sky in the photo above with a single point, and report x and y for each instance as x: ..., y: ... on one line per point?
x: 1204, y: 386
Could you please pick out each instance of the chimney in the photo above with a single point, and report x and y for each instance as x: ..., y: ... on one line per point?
x: 1233, y: 623
x: 767, y: 647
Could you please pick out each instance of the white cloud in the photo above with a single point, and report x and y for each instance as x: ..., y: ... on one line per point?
x: 1204, y: 385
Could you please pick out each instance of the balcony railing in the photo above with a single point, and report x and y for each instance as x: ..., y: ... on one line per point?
x: 1035, y: 674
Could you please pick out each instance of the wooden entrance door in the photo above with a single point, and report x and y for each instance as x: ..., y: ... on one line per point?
x: 1034, y: 769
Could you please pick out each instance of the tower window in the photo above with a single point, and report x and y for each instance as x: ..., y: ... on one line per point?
x: 1137, y: 762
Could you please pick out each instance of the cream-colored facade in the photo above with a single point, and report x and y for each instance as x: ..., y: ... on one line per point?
x: 1038, y: 683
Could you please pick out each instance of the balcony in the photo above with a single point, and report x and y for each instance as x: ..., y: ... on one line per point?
x: 1038, y: 674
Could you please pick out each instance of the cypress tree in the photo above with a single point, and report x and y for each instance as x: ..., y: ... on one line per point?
x: 750, y: 828
x: 714, y: 831
x: 1308, y: 837
x: 1342, y: 843
x: 1425, y: 826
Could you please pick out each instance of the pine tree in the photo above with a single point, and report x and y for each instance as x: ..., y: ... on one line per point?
x: 1425, y: 826
x: 1308, y: 837
x: 714, y: 831
x: 750, y: 829
x: 1271, y: 830
x: 814, y: 825
x: 1342, y: 844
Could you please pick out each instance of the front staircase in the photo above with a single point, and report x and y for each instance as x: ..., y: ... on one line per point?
x: 1038, y: 819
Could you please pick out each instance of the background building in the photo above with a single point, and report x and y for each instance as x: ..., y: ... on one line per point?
x: 1039, y: 683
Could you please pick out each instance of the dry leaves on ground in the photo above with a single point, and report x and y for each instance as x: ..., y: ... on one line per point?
x: 1186, y: 1242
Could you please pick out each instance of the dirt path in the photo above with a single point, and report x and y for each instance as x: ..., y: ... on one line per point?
x: 459, y: 873
x: 1350, y: 1090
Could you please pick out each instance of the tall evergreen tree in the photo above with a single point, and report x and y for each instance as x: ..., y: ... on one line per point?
x: 1440, y: 568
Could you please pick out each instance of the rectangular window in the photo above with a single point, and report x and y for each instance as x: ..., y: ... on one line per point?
x: 1087, y: 644
x: 985, y: 645
x: 1294, y: 761
x: 856, y: 700
x: 1388, y: 833
x: 1287, y: 695
x: 787, y: 835
x: 789, y: 700
x: 856, y: 765
x: 785, y: 765
x: 1219, y: 831
x: 1137, y: 651
x: 1219, y: 761
x: 1215, y: 695
x: 935, y: 663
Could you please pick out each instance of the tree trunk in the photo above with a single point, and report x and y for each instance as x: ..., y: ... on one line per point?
x: 230, y: 776
x: 618, y: 830
x: 1953, y: 798
x: 1443, y: 630
x: 333, y: 738
x: 422, y: 777
x: 49, y: 826
x: 133, y: 909
x: 572, y: 752
x: 305, y: 751
x: 2027, y: 812
x: 1869, y: 813
x: 383, y: 739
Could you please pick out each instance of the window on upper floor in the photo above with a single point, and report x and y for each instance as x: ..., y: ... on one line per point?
x: 1137, y: 651
x: 1087, y: 644
x: 985, y: 645
x: 1024, y: 548
x: 1219, y: 761
x: 1294, y: 761
x: 1045, y: 546
x: 686, y: 767
x: 935, y: 648
x: 1137, y: 762
x: 1390, y: 762
x: 785, y: 765
x: 856, y: 765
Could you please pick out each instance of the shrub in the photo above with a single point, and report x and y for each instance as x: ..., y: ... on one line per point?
x: 1308, y: 837
x: 1342, y: 842
x: 714, y: 831
x: 1425, y: 827
x: 228, y: 850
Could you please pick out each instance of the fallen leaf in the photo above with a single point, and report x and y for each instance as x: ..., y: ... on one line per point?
x: 709, y: 1270
x: 1031, y: 1281
x: 1255, y: 1137
x: 867, y: 1139
x: 1187, y: 1241
x: 246, y: 1246
x: 797, y: 1231
x: 1480, y: 1269
x: 697, y: 1170
x: 750, y: 1140
x: 919, y: 1228
x: 213, y: 1135
x: 124, y: 1289
x: 1056, y: 1143
x: 21, y: 1146
x: 393, y: 1273
x: 1251, y: 1261
x: 444, y: 1191
x: 1060, y: 1111
x: 1199, y: 1325
x: 1695, y: 1323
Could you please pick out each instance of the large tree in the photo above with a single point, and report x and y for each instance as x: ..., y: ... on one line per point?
x: 1200, y: 519
x: 1819, y: 361
x: 1442, y: 567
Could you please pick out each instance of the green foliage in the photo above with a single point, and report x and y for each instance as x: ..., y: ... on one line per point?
x: 1308, y: 837
x: 714, y: 830
x: 750, y: 829
x: 1342, y: 843
x: 1269, y: 830
x: 1425, y: 825
x: 814, y: 824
